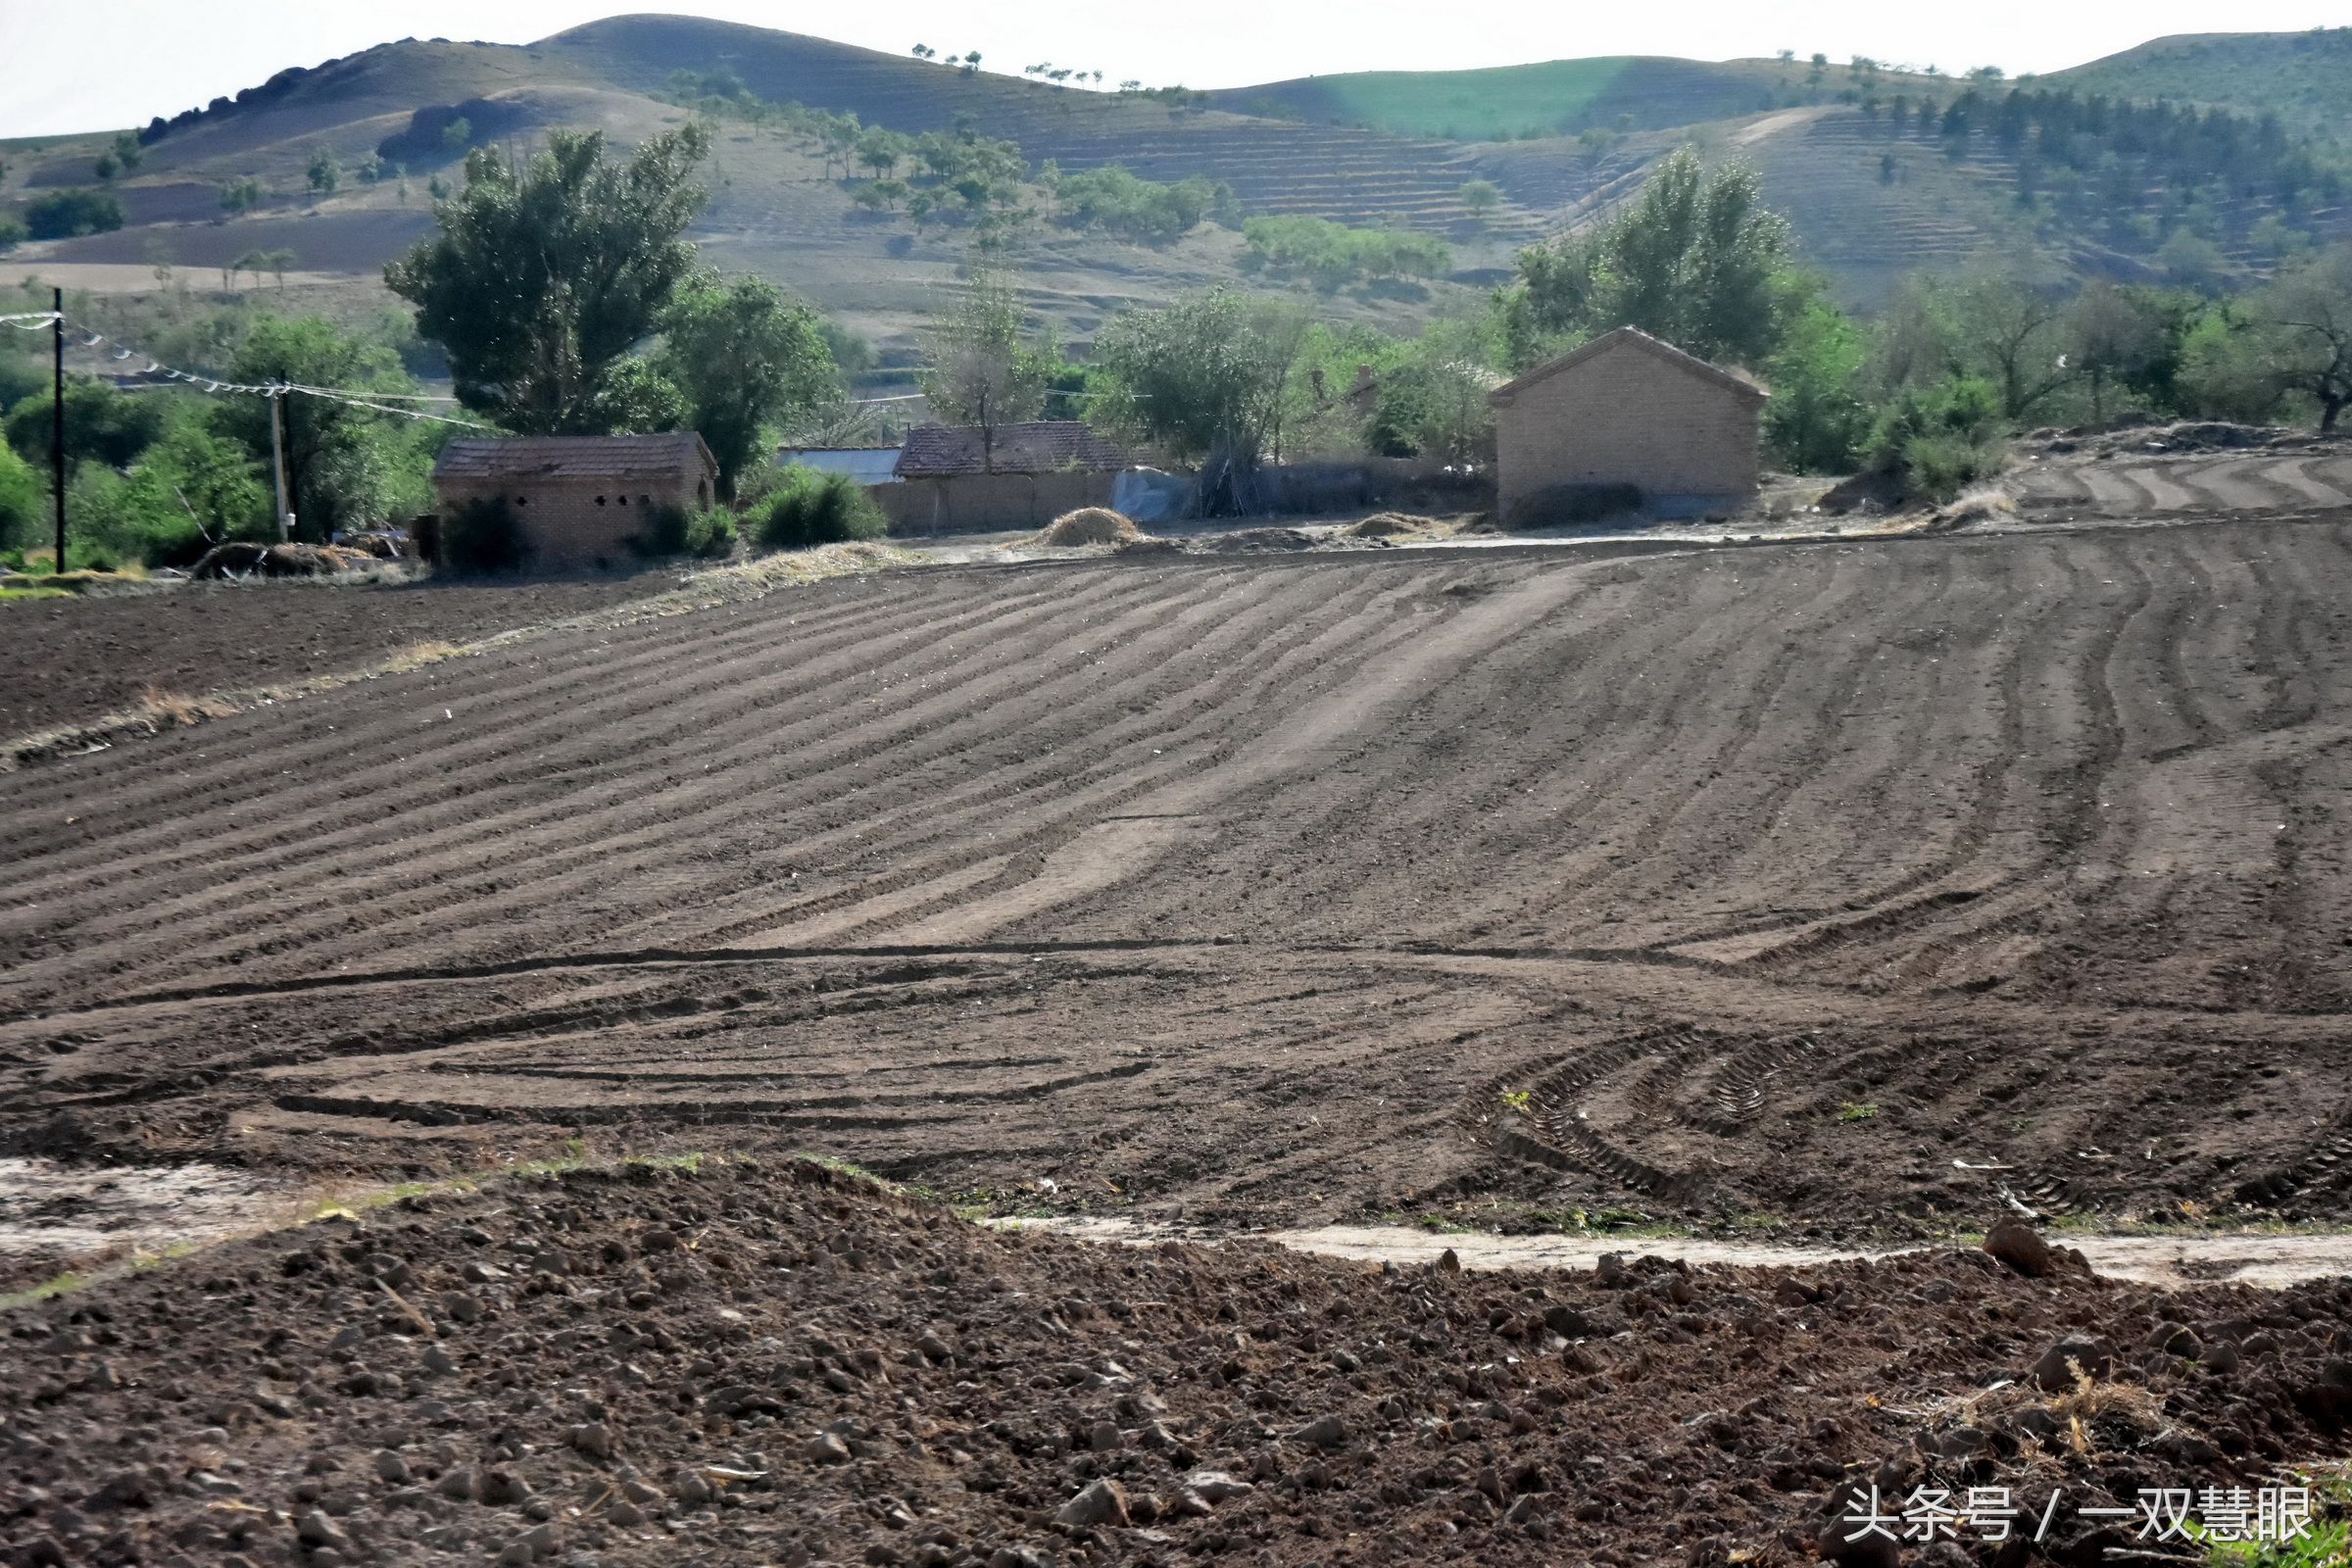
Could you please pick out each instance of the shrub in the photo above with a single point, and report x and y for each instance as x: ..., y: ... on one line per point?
x: 671, y: 531
x: 24, y: 501
x: 64, y: 213
x: 807, y: 507
x: 482, y: 536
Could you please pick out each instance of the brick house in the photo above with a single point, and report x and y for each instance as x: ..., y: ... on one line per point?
x: 1023, y: 477
x: 580, y: 498
x: 1626, y: 409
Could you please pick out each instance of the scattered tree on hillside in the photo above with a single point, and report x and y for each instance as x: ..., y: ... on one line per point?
x: 979, y: 368
x: 546, y: 274
x: 240, y: 195
x: 70, y: 214
x: 1480, y: 197
x: 744, y: 357
x: 323, y: 172
x: 1693, y: 262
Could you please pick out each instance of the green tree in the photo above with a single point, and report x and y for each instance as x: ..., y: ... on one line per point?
x: 744, y: 357
x: 2302, y: 326
x: 979, y: 365
x: 345, y: 466
x: 240, y: 195
x: 1816, y: 421
x: 323, y: 173
x: 2009, y: 334
x: 1480, y: 197
x: 2111, y: 335
x: 545, y: 276
x: 102, y: 426
x: 1693, y: 262
x: 70, y: 214
x: 11, y: 232
x: 1207, y: 378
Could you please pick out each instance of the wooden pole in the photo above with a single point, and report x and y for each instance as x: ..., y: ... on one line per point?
x: 278, y: 458
x: 57, y: 414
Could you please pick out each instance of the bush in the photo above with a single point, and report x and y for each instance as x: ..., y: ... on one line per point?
x: 482, y: 536
x: 671, y: 531
x: 24, y: 501
x: 807, y: 507
x: 11, y: 232
x: 64, y: 213
x: 1333, y: 254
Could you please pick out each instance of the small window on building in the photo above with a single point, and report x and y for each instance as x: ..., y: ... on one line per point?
x: 701, y: 492
x: 523, y: 500
x: 600, y: 501
x: 623, y: 500
x: 645, y: 501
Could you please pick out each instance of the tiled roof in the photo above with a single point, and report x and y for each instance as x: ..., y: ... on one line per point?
x: 572, y: 456
x: 934, y: 451
x: 1632, y: 337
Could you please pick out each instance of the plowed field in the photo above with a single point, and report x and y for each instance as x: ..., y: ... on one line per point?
x: 1851, y: 884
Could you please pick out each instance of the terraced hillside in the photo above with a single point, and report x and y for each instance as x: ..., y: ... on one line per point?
x: 1851, y: 882
x: 1557, y: 97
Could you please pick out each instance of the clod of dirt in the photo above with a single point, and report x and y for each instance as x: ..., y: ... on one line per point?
x: 2073, y: 1358
x: 2021, y: 1247
x: 1088, y: 525
x: 1102, y: 1502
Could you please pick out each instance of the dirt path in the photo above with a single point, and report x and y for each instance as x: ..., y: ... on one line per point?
x: 1849, y: 886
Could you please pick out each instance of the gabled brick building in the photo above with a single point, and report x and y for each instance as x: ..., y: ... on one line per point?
x: 1626, y: 408
x: 580, y: 498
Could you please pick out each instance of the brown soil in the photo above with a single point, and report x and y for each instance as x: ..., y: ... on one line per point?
x: 1088, y: 525
x: 75, y: 660
x: 747, y: 1365
x: 1390, y: 525
x: 1852, y: 885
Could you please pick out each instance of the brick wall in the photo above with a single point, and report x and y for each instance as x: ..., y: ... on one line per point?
x: 1626, y: 417
x: 979, y: 502
x: 577, y: 525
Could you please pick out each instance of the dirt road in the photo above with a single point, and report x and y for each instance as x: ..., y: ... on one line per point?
x: 1850, y: 884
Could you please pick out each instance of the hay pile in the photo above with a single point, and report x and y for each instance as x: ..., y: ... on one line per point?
x: 1388, y: 524
x: 235, y: 559
x: 1088, y: 525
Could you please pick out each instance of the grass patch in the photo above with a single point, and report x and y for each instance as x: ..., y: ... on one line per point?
x: 1857, y: 1110
x: 11, y: 595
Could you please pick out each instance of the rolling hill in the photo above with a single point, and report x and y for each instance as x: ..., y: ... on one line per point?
x: 2305, y: 78
x: 1871, y: 194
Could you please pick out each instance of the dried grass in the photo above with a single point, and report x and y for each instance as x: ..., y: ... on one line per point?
x: 1088, y: 525
x: 1391, y: 524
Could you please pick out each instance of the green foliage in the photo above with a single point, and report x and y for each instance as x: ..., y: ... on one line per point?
x: 2301, y: 326
x: 1816, y: 421
x: 67, y: 214
x: 1480, y: 197
x: 1205, y: 375
x: 324, y: 175
x: 24, y: 501
x: 240, y: 195
x: 979, y: 365
x: 1112, y: 199
x: 102, y: 426
x: 482, y: 536
x: 20, y: 378
x: 744, y: 357
x: 11, y: 232
x: 706, y: 534
x: 1943, y: 438
x: 1332, y: 254
x: 346, y: 467
x: 545, y: 276
x: 1433, y: 400
x: 806, y: 508
x: 1695, y: 261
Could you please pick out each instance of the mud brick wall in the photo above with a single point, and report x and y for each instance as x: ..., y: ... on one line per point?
x: 580, y: 524
x: 968, y: 503
x: 1627, y: 417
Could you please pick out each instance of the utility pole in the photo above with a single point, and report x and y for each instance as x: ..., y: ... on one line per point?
x: 56, y: 414
x: 278, y: 458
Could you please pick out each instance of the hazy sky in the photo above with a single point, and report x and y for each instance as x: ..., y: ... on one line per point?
x: 65, y: 67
